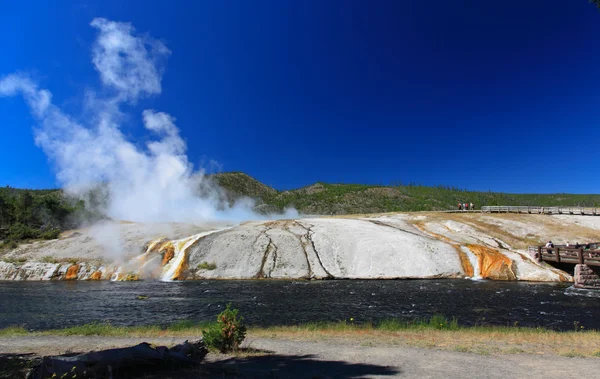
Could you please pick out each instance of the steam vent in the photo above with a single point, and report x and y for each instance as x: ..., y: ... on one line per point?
x: 387, y: 246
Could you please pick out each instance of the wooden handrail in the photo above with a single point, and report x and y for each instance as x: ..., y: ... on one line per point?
x: 570, y: 255
x: 591, y: 211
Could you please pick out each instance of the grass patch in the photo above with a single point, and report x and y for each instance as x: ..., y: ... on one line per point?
x: 13, y: 331
x: 514, y: 350
x: 437, y: 332
x: 573, y: 354
x: 437, y: 322
x: 49, y: 259
x: 107, y: 330
x: 8, y: 245
x: 207, y: 266
x: 461, y: 349
x: 103, y: 329
x: 442, y: 333
x: 17, y: 260
x: 188, y: 326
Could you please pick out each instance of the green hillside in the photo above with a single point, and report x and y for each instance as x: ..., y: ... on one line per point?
x: 323, y: 198
x: 239, y: 184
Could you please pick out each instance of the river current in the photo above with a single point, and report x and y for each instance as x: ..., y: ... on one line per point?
x: 57, y: 304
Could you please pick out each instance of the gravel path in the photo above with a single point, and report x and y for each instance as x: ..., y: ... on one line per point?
x: 296, y: 359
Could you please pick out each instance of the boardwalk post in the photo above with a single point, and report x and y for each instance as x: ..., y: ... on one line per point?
x: 539, y: 254
x: 558, y: 255
x: 580, y: 255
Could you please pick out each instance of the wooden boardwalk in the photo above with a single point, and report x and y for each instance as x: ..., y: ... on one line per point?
x: 588, y: 254
x: 584, y: 211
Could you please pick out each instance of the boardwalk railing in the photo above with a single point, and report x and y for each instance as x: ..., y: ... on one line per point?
x: 589, y: 211
x: 588, y: 254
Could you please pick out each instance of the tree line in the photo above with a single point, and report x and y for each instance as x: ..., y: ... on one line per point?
x: 33, y: 214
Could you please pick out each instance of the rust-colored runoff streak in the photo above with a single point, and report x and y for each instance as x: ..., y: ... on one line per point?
x: 184, y: 265
x: 182, y: 268
x: 168, y: 252
x: 492, y: 264
x: 96, y: 275
x: 72, y: 272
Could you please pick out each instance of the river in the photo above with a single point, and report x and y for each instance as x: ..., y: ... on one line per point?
x: 56, y: 304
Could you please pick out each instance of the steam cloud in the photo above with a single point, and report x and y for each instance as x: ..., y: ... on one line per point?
x: 155, y: 183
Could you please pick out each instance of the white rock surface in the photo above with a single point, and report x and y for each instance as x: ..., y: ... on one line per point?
x: 424, y: 245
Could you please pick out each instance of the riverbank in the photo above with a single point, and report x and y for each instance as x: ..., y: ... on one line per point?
x: 436, y: 333
x: 361, y: 353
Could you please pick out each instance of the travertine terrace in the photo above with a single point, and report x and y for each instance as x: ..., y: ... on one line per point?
x: 384, y: 246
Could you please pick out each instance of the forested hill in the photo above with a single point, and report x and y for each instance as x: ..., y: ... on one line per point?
x: 31, y: 214
x: 326, y: 199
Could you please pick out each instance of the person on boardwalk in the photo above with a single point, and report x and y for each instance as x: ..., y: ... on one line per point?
x: 459, y: 206
x: 550, y: 245
x: 471, y: 206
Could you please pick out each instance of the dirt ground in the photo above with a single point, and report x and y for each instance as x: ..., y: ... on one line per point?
x: 285, y: 358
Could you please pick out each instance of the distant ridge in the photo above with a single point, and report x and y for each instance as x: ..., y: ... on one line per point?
x: 241, y: 184
x: 327, y: 199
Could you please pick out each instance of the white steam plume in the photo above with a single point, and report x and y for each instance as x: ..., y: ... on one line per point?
x: 152, y: 184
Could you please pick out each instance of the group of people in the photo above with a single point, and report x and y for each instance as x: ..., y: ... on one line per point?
x: 465, y: 206
x: 576, y: 246
x: 586, y: 247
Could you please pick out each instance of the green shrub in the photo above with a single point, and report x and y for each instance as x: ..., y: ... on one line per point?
x: 207, y: 266
x: 51, y: 234
x: 17, y: 261
x: 49, y: 259
x: 439, y: 321
x: 228, y: 333
x: 20, y: 231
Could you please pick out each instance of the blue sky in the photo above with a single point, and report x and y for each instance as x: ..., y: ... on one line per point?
x: 482, y: 95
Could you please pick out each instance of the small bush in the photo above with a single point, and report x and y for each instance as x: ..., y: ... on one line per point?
x: 228, y: 333
x: 49, y: 259
x: 207, y: 266
x: 51, y: 234
x: 17, y: 260
x: 9, y: 245
x: 439, y: 321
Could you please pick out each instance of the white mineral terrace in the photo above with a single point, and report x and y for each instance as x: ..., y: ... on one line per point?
x: 386, y: 246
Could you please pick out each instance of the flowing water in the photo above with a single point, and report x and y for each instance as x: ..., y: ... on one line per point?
x: 44, y: 305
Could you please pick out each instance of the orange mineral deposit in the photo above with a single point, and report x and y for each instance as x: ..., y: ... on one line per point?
x: 493, y: 264
x: 72, y: 272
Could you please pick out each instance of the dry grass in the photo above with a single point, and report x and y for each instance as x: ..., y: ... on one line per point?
x: 426, y: 334
x: 475, y: 340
